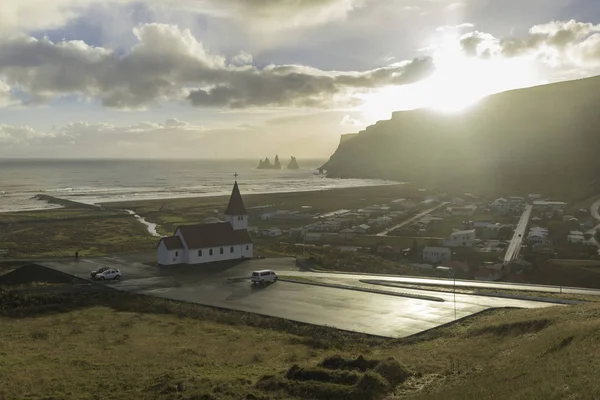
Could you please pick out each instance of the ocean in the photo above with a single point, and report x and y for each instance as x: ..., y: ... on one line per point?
x: 101, y: 181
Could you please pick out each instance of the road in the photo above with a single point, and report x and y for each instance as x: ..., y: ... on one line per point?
x: 377, y: 314
x: 408, y: 221
x: 512, y: 252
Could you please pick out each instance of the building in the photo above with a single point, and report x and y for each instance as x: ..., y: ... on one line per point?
x: 461, y: 239
x: 206, y: 243
x: 436, y: 254
x: 550, y: 205
x: 538, y: 236
x: 362, y: 229
x: 466, y: 210
x: 272, y: 232
x: 500, y: 206
x: 491, y: 272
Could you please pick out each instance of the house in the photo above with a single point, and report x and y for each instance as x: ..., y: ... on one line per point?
x: 312, y: 237
x: 516, y: 200
x: 575, y: 237
x: 534, y: 196
x: 296, y: 232
x: 347, y: 233
x: 458, y: 201
x: 491, y: 272
x: 546, y: 249
x: 500, y: 206
x: 461, y: 239
x: 205, y: 243
x: 272, y: 232
x: 550, y: 205
x: 362, y: 229
x: 466, y: 210
x: 538, y: 236
x: 480, y: 224
x: 436, y: 254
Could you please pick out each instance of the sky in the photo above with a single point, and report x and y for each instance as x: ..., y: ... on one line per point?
x: 254, y: 78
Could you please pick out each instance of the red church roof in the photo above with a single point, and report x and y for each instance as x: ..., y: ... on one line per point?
x: 236, y: 204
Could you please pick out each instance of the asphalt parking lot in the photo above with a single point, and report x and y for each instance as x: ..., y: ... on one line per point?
x: 226, y: 286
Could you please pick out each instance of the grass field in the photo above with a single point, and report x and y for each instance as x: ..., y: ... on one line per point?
x: 60, y: 233
x: 170, y: 213
x: 111, y: 346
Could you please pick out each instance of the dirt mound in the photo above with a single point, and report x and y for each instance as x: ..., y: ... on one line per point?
x: 359, y: 364
x: 371, y: 386
x: 36, y: 273
x: 297, y: 373
x: 393, y: 372
x: 514, y: 328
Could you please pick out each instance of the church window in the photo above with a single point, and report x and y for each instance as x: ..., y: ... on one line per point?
x: 247, y: 247
x: 176, y: 254
x: 221, y: 250
x: 210, y: 252
x: 231, y: 249
x: 199, y: 253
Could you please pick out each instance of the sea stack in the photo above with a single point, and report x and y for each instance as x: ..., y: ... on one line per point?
x: 293, y: 164
x: 266, y: 164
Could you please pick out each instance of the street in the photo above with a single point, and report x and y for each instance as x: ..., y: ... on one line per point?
x: 512, y: 252
x: 410, y: 220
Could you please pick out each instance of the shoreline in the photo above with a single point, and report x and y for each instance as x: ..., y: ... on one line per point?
x: 111, y: 203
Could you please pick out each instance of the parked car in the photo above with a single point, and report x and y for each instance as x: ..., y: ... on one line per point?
x: 109, y: 273
x: 94, y: 273
x: 264, y: 276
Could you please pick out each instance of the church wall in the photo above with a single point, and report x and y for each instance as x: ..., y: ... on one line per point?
x: 169, y: 257
x: 238, y: 252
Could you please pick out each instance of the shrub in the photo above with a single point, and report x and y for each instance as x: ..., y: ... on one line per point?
x: 322, y: 375
x: 392, y: 371
x: 40, y: 335
x: 337, y: 362
x: 371, y: 386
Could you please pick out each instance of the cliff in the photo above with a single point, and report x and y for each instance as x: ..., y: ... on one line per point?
x: 544, y: 138
x: 293, y: 164
x: 266, y: 164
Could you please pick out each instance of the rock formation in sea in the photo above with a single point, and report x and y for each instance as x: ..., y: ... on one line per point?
x: 293, y: 164
x: 266, y: 164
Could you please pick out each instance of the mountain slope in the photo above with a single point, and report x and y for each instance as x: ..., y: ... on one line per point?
x: 544, y: 138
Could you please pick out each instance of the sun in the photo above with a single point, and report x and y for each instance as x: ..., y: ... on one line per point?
x: 457, y: 83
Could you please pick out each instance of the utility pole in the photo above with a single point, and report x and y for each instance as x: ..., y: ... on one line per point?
x: 454, y: 276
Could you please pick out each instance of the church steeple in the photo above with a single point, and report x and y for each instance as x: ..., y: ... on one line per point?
x: 236, y: 211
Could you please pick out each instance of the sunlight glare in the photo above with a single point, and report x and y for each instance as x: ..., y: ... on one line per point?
x: 457, y: 83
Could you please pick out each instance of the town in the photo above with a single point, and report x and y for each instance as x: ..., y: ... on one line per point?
x: 468, y: 237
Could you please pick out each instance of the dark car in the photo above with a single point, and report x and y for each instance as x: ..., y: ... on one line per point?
x: 94, y: 273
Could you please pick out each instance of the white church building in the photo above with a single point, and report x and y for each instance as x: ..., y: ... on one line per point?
x: 207, y: 243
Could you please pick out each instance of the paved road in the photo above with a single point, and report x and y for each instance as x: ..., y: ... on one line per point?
x: 376, y: 314
x: 337, y: 277
x: 410, y: 220
x: 512, y: 252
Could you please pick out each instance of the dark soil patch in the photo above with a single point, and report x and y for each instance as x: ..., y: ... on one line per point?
x: 297, y: 373
x: 563, y: 343
x: 358, y: 364
x: 514, y: 328
x: 36, y: 273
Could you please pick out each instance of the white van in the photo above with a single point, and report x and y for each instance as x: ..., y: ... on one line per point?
x: 266, y: 275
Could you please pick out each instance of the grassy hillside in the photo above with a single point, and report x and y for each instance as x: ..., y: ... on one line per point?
x: 536, y: 139
x: 57, y: 342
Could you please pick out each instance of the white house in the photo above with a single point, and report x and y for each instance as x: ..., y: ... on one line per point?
x: 500, y: 206
x: 362, y: 229
x: 436, y: 254
x: 538, y: 236
x: 206, y: 243
x: 461, y: 239
x: 467, y: 210
x: 272, y: 232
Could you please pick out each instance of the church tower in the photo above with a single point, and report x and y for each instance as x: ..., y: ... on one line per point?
x: 236, y: 212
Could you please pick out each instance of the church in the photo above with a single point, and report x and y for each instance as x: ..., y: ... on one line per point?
x: 207, y: 243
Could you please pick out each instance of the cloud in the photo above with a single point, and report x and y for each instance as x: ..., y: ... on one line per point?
x: 242, y: 59
x: 557, y: 44
x: 347, y: 120
x: 303, y: 134
x: 27, y: 15
x: 170, y: 64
